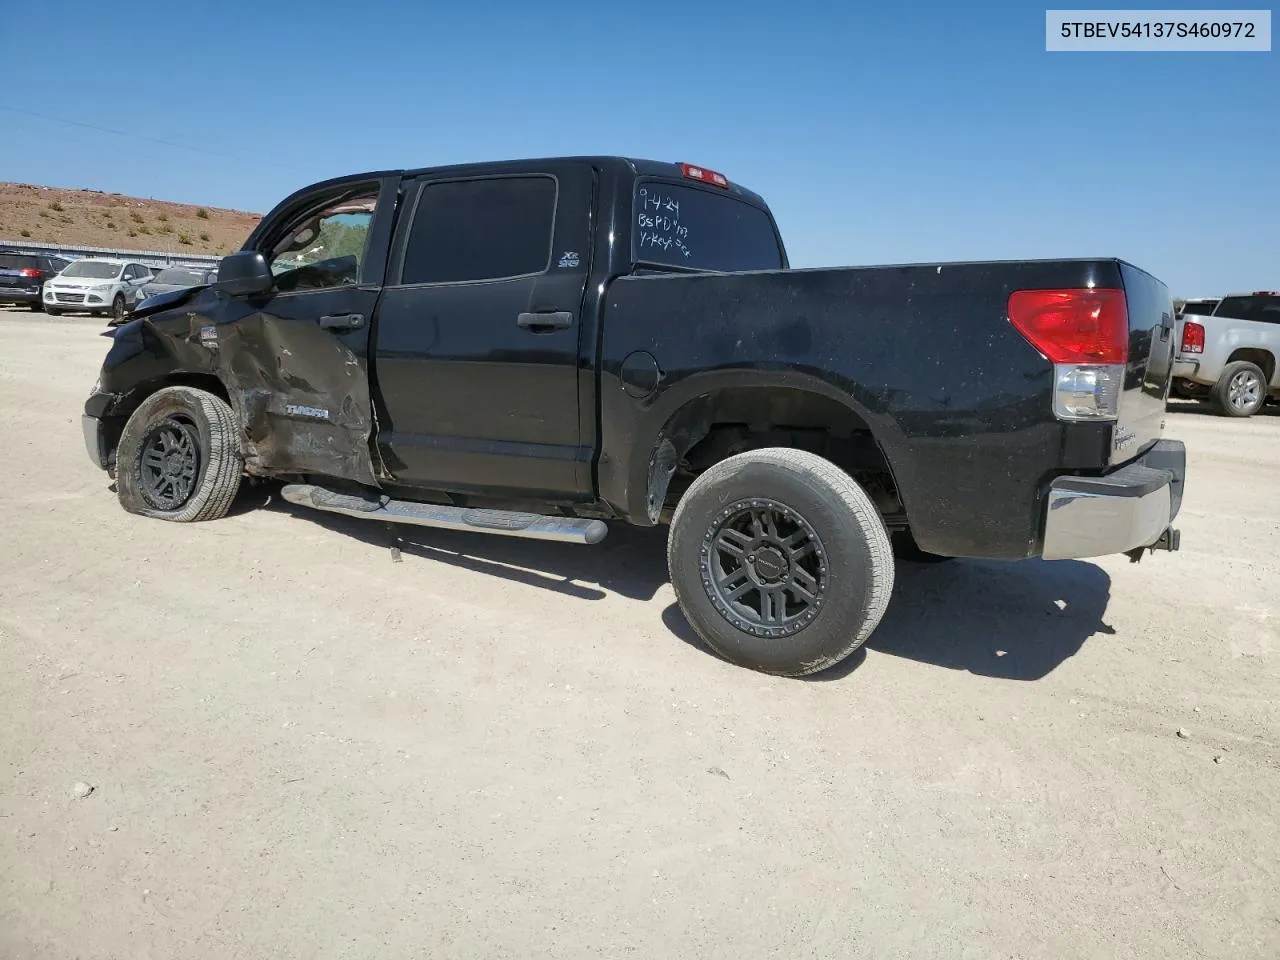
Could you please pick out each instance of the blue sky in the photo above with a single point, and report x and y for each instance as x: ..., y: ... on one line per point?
x: 889, y: 134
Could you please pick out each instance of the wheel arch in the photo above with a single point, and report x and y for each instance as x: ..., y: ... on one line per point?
x: 704, y: 407
x: 119, y: 408
x: 1260, y: 356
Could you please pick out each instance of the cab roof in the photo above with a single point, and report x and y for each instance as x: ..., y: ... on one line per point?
x: 636, y: 167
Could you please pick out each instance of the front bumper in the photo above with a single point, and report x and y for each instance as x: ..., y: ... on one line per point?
x: 77, y: 298
x: 1129, y: 508
x: 95, y: 441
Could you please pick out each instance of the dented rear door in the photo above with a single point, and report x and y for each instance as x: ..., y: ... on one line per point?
x: 296, y: 362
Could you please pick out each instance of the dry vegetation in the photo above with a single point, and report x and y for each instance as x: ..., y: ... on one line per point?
x: 94, y: 218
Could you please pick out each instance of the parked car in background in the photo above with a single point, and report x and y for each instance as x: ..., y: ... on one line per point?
x: 97, y: 286
x: 179, y: 278
x: 1227, y: 352
x: 23, y: 275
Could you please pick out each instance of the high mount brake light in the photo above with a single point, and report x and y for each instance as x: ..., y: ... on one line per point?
x: 703, y: 175
x: 1084, y: 333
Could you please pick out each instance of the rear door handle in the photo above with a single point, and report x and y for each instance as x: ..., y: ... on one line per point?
x: 343, y: 321
x: 560, y: 320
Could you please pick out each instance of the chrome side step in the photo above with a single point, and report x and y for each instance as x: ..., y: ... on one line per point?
x: 531, y: 525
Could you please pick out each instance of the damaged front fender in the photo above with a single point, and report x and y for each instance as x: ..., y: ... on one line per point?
x: 300, y: 392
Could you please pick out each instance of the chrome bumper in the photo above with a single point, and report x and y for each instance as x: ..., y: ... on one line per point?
x: 1127, y: 509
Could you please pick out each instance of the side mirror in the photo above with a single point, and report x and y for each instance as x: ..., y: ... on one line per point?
x: 244, y: 274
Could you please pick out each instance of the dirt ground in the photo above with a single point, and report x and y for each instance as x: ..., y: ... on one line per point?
x: 299, y: 748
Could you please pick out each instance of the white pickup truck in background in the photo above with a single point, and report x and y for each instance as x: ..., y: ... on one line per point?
x: 1228, y: 351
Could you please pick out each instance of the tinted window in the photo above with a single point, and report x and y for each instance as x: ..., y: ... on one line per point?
x: 686, y: 226
x: 18, y: 261
x: 1262, y: 309
x: 481, y: 230
x: 1203, y: 308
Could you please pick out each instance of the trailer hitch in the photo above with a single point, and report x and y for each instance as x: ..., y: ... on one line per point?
x: 1170, y: 540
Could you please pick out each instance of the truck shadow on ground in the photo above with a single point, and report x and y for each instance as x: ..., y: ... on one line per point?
x: 1016, y: 621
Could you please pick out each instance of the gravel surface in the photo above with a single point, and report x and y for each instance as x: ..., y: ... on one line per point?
x: 300, y: 749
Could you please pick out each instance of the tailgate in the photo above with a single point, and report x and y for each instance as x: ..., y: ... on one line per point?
x: 1147, y: 375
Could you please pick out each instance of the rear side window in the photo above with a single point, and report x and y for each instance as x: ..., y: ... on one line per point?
x: 1261, y: 309
x: 1203, y: 308
x: 481, y: 230
x: 683, y: 226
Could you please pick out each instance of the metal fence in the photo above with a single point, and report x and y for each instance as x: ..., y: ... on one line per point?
x: 152, y: 258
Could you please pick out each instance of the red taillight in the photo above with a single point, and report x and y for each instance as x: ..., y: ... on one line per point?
x: 1192, y: 337
x: 1073, y: 326
x: 703, y: 175
x: 30, y: 272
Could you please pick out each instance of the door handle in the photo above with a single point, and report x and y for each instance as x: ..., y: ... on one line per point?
x: 539, y: 322
x: 342, y: 321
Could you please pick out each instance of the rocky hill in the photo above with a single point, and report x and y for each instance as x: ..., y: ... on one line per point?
x: 97, y: 219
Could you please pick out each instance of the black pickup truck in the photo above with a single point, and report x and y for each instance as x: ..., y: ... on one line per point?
x: 534, y: 348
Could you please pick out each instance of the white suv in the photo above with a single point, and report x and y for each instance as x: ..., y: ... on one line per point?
x: 97, y: 286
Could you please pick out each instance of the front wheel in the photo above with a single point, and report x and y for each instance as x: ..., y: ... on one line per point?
x: 780, y: 561
x: 179, y: 457
x: 1241, y: 390
x: 118, y: 308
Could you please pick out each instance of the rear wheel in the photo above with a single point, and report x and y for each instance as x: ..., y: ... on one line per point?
x: 179, y: 457
x: 1241, y: 390
x: 780, y: 561
x: 35, y: 307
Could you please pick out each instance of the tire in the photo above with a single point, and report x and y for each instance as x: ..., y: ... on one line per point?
x: 37, y: 307
x: 52, y: 312
x: 839, y: 555
x: 179, y: 457
x: 1241, y: 390
x: 118, y: 308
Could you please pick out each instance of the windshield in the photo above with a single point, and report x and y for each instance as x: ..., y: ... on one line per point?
x: 679, y: 225
x: 93, y: 270
x: 180, y: 278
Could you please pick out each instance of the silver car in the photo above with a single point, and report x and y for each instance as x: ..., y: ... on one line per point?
x: 1227, y: 352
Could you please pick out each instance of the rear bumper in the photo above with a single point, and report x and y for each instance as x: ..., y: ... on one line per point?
x: 1123, y: 510
x: 16, y: 295
x: 1186, y: 369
